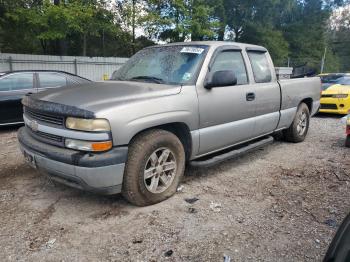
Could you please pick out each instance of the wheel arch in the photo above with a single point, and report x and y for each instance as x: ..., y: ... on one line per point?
x: 179, y: 129
x: 309, y: 102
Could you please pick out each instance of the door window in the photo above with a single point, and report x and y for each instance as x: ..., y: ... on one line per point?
x: 19, y: 81
x: 260, y: 66
x: 50, y: 80
x: 231, y: 60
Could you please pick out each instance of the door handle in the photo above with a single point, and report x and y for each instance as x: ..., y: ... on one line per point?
x: 250, y: 96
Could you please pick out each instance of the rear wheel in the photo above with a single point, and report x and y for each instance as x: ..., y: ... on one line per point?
x: 298, y: 129
x: 155, y: 166
x: 347, y: 141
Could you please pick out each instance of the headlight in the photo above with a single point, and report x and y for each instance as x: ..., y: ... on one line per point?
x: 88, y: 145
x: 87, y: 124
x: 340, y: 96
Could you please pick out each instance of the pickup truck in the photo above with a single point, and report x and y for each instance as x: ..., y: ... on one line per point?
x: 196, y: 103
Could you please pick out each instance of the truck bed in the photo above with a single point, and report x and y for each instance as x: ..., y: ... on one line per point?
x: 295, y: 90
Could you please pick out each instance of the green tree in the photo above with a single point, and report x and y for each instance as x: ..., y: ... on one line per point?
x: 305, y: 33
x: 339, y: 38
x: 131, y: 15
x: 271, y: 38
x: 74, y: 27
x: 288, y: 28
x: 178, y: 20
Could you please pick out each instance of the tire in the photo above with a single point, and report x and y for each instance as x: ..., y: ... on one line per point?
x: 347, y: 141
x: 153, y: 150
x: 298, y: 129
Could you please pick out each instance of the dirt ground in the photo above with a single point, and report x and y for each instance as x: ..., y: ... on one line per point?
x: 281, y: 203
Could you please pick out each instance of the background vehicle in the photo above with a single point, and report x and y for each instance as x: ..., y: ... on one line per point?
x: 339, y: 249
x: 168, y: 104
x: 15, y: 84
x: 331, y: 79
x: 347, y: 141
x: 335, y: 96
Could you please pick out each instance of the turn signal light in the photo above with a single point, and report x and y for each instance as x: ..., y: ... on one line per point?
x: 101, y: 146
x: 92, y: 146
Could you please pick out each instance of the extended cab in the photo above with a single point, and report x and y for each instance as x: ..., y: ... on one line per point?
x: 198, y: 103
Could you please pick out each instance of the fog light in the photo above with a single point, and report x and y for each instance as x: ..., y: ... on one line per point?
x: 88, y: 145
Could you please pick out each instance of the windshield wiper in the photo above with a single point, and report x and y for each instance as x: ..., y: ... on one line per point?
x: 152, y: 78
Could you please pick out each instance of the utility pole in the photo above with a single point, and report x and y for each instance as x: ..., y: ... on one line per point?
x: 103, y: 42
x: 133, y: 26
x: 323, y: 59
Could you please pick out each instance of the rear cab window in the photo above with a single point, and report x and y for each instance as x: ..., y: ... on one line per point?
x: 51, y: 80
x: 261, y: 67
x: 17, y: 81
x: 231, y: 60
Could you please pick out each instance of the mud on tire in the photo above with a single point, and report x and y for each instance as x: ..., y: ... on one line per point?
x: 155, y: 156
x: 298, y: 129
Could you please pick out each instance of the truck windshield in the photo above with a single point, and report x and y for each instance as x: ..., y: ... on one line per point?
x: 177, y: 65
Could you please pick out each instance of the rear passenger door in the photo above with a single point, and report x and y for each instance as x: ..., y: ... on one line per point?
x: 49, y: 80
x: 12, y: 89
x: 267, y: 92
x: 226, y: 115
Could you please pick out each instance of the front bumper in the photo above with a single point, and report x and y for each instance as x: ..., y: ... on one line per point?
x: 100, y: 173
x: 335, y: 105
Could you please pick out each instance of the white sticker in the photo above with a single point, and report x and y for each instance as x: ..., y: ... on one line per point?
x: 186, y: 76
x: 192, y: 50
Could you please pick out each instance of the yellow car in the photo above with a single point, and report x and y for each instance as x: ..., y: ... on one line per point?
x: 347, y: 141
x: 335, y: 96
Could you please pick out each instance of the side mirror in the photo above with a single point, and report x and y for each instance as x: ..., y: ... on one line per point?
x: 221, y: 78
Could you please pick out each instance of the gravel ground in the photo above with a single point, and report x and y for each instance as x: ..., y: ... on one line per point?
x: 281, y: 203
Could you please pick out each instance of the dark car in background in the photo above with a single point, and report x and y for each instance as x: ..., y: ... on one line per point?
x: 15, y: 84
x: 333, y: 79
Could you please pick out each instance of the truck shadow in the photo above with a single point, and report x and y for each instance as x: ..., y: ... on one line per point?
x: 193, y: 173
x: 7, y: 129
x: 327, y: 115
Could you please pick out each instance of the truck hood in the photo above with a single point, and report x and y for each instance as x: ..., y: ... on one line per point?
x: 99, y: 95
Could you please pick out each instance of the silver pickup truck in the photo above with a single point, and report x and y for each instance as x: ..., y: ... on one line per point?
x: 198, y: 103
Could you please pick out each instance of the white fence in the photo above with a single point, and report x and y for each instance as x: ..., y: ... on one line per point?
x: 93, y: 68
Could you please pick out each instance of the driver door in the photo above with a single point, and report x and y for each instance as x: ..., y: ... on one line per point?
x: 227, y: 114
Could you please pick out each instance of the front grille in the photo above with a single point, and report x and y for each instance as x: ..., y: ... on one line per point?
x: 44, y: 117
x: 329, y: 106
x: 47, y: 138
x: 327, y: 96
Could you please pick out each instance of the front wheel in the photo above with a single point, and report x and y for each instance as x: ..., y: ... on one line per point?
x: 155, y: 166
x: 298, y: 129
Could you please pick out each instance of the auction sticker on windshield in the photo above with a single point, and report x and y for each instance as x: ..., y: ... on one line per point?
x: 193, y: 50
